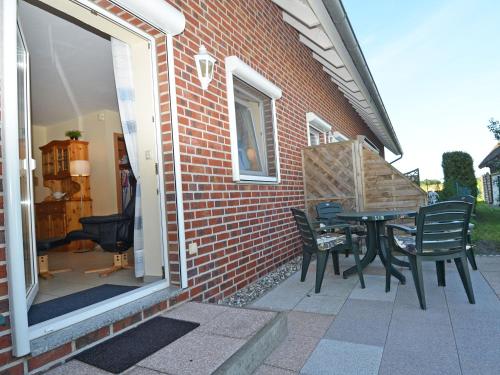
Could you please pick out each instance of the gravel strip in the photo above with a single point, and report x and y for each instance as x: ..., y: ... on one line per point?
x: 255, y: 290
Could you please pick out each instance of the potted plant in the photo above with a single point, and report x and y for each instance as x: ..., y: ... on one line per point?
x: 73, y: 134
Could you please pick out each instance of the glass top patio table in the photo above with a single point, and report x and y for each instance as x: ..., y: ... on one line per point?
x: 375, y: 223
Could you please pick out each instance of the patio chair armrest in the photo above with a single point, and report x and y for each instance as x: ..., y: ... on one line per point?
x: 404, y: 228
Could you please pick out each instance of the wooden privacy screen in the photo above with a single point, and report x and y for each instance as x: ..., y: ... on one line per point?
x: 356, y: 176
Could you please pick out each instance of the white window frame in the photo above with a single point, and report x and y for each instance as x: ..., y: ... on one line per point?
x: 314, y: 133
x: 337, y: 137
x: 235, y: 67
x: 318, y: 124
x: 21, y: 333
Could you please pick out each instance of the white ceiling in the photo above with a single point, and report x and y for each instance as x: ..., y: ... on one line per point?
x: 71, y: 67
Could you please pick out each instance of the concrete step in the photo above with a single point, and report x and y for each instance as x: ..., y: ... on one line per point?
x: 232, y: 341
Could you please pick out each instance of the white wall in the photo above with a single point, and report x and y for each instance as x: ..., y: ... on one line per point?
x: 98, y: 129
x: 495, y: 182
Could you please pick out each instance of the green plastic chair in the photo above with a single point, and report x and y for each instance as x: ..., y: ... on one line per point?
x: 323, y: 246
x: 327, y: 215
x: 441, y: 234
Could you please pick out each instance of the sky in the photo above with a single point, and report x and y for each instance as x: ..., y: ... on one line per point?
x: 436, y: 64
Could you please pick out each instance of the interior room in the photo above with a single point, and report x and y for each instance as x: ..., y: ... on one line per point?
x: 84, y: 187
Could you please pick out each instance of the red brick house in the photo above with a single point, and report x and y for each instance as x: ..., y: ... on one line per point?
x: 222, y: 166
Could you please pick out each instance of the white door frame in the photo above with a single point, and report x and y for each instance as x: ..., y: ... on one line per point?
x: 29, y: 166
x: 21, y: 333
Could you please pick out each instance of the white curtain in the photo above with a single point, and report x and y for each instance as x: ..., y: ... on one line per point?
x: 122, y: 64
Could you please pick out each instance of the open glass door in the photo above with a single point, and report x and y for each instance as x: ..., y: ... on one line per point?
x: 26, y: 167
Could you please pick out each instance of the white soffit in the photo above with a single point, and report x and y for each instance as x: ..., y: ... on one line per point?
x: 300, y: 14
x: 317, y: 122
x: 236, y: 66
x: 157, y: 13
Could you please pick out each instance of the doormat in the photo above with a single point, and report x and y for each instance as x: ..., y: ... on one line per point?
x: 127, y: 349
x: 41, y: 312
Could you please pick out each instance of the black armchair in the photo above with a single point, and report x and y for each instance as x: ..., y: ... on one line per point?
x: 114, y: 233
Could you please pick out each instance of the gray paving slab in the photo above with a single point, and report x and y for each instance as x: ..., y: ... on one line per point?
x: 286, y: 295
x: 279, y: 299
x: 362, y: 322
x: 270, y: 370
x: 416, y: 347
x: 333, y: 357
x: 237, y: 323
x: 308, y: 324
x: 493, y: 279
x: 486, y: 299
x: 193, y: 354
x: 488, y: 263
x: 336, y: 286
x: 75, y: 367
x: 418, y: 341
x: 293, y: 352
x: 196, y: 312
x: 136, y: 370
x: 375, y: 289
x: 476, y: 327
x: 326, y: 305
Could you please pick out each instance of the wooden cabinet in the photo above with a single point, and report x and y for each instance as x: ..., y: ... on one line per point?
x: 56, y: 157
x: 56, y: 218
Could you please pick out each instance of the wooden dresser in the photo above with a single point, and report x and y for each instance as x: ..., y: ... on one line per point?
x: 56, y: 218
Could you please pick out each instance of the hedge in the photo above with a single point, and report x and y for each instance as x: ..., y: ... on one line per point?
x: 458, y: 170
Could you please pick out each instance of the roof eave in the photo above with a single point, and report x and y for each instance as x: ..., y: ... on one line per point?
x: 340, y: 20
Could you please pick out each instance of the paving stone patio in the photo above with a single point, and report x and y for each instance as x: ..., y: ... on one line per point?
x: 344, y: 329
x: 347, y: 330
x: 222, y: 332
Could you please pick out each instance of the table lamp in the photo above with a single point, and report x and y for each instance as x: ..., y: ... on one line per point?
x: 80, y: 168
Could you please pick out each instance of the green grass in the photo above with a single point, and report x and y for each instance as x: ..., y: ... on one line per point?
x: 487, y: 223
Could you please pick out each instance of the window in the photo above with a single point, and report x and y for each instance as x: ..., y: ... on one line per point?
x: 316, y: 128
x: 314, y: 135
x: 252, y: 121
x: 254, y: 128
x: 336, y: 137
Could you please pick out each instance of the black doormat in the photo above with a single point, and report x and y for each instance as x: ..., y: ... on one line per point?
x: 41, y: 312
x: 125, y: 350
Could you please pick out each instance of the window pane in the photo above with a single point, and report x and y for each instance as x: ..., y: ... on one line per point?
x: 313, y: 137
x: 254, y: 126
x: 248, y: 152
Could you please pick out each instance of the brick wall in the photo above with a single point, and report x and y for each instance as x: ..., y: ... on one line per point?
x: 242, y: 230
x: 245, y: 230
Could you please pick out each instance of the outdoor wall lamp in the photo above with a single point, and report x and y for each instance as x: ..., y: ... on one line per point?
x: 205, y: 67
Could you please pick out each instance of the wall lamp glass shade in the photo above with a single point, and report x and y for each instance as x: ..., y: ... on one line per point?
x: 205, y: 67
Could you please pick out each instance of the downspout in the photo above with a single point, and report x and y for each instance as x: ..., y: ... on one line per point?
x: 398, y: 158
x: 179, y: 201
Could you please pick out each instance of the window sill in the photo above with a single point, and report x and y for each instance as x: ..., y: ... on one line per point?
x: 248, y: 179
